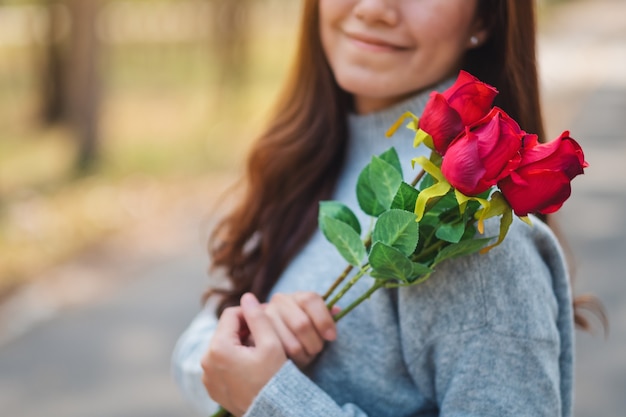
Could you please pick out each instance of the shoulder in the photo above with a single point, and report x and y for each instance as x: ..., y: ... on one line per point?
x: 513, y: 290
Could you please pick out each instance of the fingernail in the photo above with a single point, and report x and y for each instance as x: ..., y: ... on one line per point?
x: 335, y: 310
x: 248, y: 300
x: 330, y: 335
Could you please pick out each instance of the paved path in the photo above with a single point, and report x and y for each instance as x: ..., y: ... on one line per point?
x: 110, y: 357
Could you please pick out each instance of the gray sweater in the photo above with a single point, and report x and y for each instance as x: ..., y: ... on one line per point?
x: 486, y: 335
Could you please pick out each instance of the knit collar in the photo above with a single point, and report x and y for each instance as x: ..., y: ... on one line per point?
x: 367, y: 131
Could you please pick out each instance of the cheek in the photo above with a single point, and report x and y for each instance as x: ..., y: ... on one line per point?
x: 439, y: 54
x: 445, y: 26
x: 328, y: 16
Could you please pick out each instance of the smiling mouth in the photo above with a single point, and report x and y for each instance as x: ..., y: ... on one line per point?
x: 373, y: 44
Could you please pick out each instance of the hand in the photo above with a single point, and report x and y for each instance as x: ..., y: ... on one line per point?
x: 234, y: 369
x: 303, y: 323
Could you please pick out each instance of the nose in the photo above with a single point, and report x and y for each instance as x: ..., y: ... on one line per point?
x: 377, y: 12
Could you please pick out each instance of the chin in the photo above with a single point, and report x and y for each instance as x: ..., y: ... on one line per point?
x: 366, y: 88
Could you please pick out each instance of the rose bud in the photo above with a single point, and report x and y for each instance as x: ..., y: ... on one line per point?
x: 484, y: 154
x: 446, y: 115
x: 542, y: 182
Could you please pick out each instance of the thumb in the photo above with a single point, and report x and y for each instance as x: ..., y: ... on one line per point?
x: 230, y: 326
x: 260, y: 326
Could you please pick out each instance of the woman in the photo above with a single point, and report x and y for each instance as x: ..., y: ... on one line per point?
x: 487, y: 335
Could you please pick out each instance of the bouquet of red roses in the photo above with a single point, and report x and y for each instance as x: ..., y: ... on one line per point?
x: 482, y: 165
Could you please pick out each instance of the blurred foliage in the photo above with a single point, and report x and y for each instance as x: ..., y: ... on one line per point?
x: 167, y: 119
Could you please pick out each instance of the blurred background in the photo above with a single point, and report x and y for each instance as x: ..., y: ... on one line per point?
x: 123, y: 122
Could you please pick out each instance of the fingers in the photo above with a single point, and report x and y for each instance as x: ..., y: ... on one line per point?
x: 315, y: 307
x: 293, y: 347
x: 226, y: 339
x: 235, y: 371
x: 296, y: 324
x: 296, y: 319
x: 231, y: 326
x: 303, y: 323
x: 261, y: 328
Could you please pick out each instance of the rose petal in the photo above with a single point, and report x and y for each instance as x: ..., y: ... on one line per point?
x: 543, y: 192
x: 441, y: 122
x: 470, y: 97
x: 462, y: 165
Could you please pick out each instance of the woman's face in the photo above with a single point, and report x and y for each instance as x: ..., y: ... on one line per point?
x: 384, y: 50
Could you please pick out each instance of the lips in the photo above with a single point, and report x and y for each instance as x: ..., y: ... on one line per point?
x: 374, y: 43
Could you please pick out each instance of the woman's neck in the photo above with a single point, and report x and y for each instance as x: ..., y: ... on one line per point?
x: 364, y: 105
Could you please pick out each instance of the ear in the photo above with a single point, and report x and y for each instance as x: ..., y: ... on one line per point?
x: 478, y: 35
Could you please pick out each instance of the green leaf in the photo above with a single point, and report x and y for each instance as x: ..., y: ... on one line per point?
x: 405, y: 198
x: 470, y: 231
x: 451, y: 232
x: 430, y: 219
x: 427, y: 181
x: 341, y: 212
x: 391, y: 157
x: 345, y: 238
x: 389, y: 263
x: 447, y: 202
x: 365, y: 194
x: 472, y: 207
x: 418, y: 271
x: 398, y: 229
x: 464, y: 247
x: 385, y: 181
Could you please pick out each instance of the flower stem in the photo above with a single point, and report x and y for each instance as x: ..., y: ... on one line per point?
x: 338, y: 281
x: 418, y: 178
x: 378, y: 284
x: 367, y: 242
x: 429, y: 250
x: 222, y: 412
x: 349, y: 285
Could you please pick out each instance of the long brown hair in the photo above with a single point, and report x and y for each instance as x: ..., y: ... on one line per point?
x: 295, y: 162
x: 292, y: 166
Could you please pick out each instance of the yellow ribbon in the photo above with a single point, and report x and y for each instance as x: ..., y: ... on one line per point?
x: 406, y: 115
x: 438, y: 189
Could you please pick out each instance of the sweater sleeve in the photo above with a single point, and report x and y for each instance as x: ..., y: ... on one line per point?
x: 290, y: 393
x: 488, y: 339
x: 482, y: 373
x: 188, y: 352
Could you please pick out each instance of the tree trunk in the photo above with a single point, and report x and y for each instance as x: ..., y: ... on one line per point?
x: 83, y: 86
x: 231, y: 38
x: 54, y: 97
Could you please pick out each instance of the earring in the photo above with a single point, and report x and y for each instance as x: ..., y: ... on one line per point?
x: 474, y: 40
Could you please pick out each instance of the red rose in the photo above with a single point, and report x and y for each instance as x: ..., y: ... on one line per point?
x: 541, y: 183
x: 446, y: 115
x: 484, y: 154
